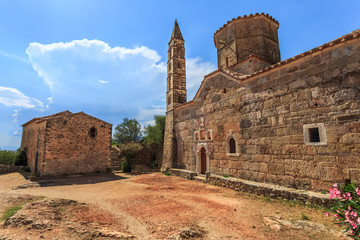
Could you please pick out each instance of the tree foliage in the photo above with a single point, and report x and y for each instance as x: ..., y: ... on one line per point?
x: 155, y: 134
x: 17, y: 158
x: 129, y: 151
x: 128, y: 131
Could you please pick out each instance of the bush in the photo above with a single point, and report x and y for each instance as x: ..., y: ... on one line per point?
x: 7, y: 157
x: 126, y: 167
x: 129, y: 150
x: 20, y: 158
x: 346, y: 208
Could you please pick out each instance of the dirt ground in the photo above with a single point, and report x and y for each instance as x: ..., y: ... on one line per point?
x: 150, y: 206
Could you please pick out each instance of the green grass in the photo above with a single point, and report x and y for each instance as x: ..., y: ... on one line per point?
x: 226, y: 176
x: 166, y: 173
x: 304, y: 217
x: 10, y: 212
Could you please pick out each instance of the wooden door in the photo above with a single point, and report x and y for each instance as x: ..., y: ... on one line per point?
x: 203, y: 161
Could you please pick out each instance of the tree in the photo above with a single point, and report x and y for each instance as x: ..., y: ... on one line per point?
x: 128, y: 131
x: 155, y: 134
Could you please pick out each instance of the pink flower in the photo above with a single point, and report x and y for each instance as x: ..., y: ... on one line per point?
x: 327, y: 214
x: 347, y: 196
x: 349, y: 208
x: 357, y: 191
x: 334, y: 193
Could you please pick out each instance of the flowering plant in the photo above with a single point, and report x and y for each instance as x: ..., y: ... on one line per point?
x: 346, y: 210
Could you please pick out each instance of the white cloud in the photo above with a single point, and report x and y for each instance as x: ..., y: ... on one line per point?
x: 103, y: 81
x: 147, y: 114
x: 135, y: 77
x: 14, y: 57
x: 50, y: 102
x: 196, y: 69
x: 11, y: 97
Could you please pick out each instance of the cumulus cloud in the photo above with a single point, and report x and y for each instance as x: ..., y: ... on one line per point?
x: 135, y: 77
x: 11, y: 97
x: 195, y: 71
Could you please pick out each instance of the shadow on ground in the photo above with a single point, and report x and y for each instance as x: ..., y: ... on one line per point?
x: 69, y: 180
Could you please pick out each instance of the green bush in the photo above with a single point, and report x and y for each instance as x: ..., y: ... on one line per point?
x: 126, y: 167
x: 20, y: 158
x: 129, y: 151
x: 7, y: 157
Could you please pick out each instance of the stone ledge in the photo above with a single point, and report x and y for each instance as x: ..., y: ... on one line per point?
x: 182, y: 173
x: 266, y: 189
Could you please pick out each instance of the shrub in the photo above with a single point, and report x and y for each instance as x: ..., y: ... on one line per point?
x: 20, y: 158
x: 129, y: 150
x: 346, y: 208
x: 7, y: 157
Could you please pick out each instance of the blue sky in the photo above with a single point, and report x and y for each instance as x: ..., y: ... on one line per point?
x: 108, y: 57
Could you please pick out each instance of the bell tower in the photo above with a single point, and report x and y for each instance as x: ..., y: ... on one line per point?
x: 176, y: 75
x: 175, y: 94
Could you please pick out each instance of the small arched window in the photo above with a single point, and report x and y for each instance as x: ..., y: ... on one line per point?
x: 232, y: 145
x: 92, y: 132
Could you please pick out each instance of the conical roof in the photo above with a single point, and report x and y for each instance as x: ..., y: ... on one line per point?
x: 176, y: 33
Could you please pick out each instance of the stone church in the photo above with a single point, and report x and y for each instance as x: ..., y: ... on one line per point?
x: 67, y: 143
x: 293, y: 123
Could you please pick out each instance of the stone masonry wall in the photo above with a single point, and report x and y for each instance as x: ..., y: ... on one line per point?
x: 10, y: 168
x: 70, y: 149
x: 33, y: 140
x: 265, y: 114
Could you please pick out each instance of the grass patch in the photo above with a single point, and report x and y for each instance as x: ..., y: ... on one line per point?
x: 304, y: 217
x: 226, y: 176
x: 10, y: 212
x: 167, y: 173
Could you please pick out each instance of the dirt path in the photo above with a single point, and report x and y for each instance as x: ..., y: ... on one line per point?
x: 154, y: 206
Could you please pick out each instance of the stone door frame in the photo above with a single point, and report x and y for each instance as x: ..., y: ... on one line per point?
x: 198, y: 157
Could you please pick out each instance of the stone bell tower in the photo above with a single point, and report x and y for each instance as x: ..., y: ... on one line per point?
x: 175, y: 94
x: 176, y: 75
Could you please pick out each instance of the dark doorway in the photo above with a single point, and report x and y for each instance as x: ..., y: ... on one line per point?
x: 36, y: 164
x: 203, y: 161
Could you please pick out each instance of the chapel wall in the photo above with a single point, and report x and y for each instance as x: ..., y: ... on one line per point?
x: 71, y: 148
x: 266, y: 115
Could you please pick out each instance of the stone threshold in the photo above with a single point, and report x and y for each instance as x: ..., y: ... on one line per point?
x: 259, y: 188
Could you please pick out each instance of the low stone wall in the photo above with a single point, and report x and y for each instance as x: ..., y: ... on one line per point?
x: 265, y: 189
x: 10, y: 168
x: 182, y: 173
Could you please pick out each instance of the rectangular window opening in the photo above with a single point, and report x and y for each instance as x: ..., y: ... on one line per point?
x: 314, y: 135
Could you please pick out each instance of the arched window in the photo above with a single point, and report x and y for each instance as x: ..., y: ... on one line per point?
x: 232, y: 145
x: 92, y: 132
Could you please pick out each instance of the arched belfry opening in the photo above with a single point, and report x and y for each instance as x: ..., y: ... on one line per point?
x: 232, y: 145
